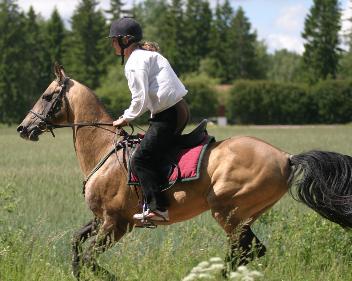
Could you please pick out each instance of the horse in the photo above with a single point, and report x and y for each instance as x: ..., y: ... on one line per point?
x: 241, y: 178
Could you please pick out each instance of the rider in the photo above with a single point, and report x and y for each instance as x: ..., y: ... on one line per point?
x: 154, y: 87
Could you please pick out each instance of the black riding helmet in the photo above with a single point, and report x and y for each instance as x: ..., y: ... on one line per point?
x: 125, y: 27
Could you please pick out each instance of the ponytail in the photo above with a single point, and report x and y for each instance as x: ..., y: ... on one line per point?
x: 149, y: 46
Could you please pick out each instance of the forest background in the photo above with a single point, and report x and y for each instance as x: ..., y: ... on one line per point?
x: 215, y: 51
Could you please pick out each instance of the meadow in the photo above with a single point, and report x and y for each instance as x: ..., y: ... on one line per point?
x: 41, y: 205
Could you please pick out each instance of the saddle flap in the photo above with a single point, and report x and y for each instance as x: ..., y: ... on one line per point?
x: 195, y: 137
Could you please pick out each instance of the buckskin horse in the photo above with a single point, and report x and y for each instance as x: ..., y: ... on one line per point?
x: 241, y: 178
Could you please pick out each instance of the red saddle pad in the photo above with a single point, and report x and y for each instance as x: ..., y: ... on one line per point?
x: 188, y: 163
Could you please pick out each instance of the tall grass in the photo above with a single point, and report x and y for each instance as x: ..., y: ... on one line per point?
x: 41, y: 205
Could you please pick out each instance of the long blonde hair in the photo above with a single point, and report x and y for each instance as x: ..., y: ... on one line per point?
x: 149, y: 46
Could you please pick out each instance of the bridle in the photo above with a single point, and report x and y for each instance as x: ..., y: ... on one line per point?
x: 46, y: 124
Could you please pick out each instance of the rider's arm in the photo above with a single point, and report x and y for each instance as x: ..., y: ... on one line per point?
x: 138, y: 84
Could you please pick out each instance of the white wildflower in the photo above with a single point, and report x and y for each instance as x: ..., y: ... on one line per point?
x: 235, y: 275
x: 190, y: 277
x: 217, y: 266
x: 203, y: 264
x: 205, y: 276
x: 256, y: 273
x: 4, y: 251
x: 242, y: 269
x: 208, y: 270
x: 243, y: 274
x: 215, y: 260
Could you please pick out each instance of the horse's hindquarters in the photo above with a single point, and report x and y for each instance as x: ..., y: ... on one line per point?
x: 248, y: 176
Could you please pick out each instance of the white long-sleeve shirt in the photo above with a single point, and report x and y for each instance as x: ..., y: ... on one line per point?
x: 152, y: 82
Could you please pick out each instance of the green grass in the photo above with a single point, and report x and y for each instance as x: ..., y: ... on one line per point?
x: 41, y: 205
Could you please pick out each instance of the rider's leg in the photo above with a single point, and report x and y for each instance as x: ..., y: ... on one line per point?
x: 146, y: 160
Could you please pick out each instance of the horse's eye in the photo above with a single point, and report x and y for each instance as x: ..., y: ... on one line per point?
x: 47, y: 97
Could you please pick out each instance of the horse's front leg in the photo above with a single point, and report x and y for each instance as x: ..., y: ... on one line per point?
x: 88, y: 230
x: 110, y: 232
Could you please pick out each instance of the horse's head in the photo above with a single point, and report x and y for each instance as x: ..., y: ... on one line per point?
x: 50, y: 109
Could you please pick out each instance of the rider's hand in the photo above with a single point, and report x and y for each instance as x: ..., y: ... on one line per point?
x: 119, y: 123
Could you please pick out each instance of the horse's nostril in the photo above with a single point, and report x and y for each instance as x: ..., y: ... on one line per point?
x: 20, y: 129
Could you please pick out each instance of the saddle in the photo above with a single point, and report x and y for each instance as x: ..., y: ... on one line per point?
x: 183, y: 161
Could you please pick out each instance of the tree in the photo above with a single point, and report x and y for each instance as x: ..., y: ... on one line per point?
x: 284, y: 66
x: 37, y: 60
x: 218, y: 59
x: 116, y: 9
x: 172, y: 35
x: 321, y: 36
x: 151, y: 15
x: 55, y: 34
x: 242, y: 53
x: 86, y: 57
x: 263, y: 59
x: 345, y: 66
x: 15, y: 74
x: 345, y: 69
x: 198, y: 18
x: 114, y: 91
x: 10, y: 34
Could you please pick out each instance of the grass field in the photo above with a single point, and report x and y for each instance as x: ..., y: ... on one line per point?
x: 41, y: 205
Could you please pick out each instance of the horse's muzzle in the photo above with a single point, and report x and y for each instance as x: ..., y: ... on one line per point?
x: 31, y: 134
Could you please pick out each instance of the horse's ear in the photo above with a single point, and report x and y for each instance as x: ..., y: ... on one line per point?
x: 59, y: 72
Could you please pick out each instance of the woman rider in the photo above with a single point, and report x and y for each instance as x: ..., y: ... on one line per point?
x: 154, y: 87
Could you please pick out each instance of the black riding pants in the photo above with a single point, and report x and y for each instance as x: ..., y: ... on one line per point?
x: 158, y: 140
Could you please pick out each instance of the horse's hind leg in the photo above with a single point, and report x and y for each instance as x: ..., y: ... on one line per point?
x: 88, y: 230
x: 244, y: 246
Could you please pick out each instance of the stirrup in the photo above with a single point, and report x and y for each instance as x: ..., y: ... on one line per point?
x: 146, y: 224
x: 157, y: 215
x: 149, y: 215
x: 141, y: 216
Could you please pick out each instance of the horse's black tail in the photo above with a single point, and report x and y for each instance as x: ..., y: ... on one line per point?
x: 323, y: 181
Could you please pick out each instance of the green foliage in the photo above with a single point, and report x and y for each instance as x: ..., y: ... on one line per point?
x: 235, y: 52
x: 345, y: 67
x: 172, y: 35
x: 201, y: 96
x: 115, y: 10
x: 8, y: 197
x: 262, y: 62
x: 242, y: 52
x: 333, y: 100
x: 285, y: 66
x: 266, y: 102
x: 55, y: 34
x: 321, y: 30
x: 219, y: 43
x: 114, y: 91
x: 219, y: 47
x: 11, y: 27
x: 151, y: 15
x: 86, y: 58
x: 197, y: 26
x: 21, y: 80
x: 37, y: 61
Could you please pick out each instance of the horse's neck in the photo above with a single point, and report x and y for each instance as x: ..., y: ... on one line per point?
x: 91, y: 143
